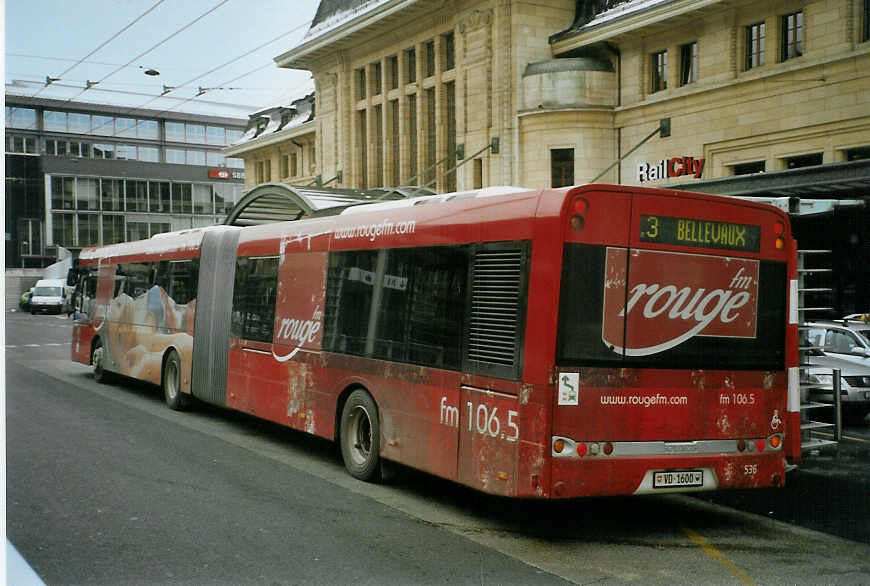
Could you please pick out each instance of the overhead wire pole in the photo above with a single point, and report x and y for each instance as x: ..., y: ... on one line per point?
x: 465, y: 160
x: 48, y: 80
x: 664, y: 129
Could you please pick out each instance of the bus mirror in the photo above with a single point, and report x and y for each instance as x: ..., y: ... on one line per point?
x: 72, y: 277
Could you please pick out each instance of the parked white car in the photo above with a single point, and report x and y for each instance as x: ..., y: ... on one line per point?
x: 837, y: 346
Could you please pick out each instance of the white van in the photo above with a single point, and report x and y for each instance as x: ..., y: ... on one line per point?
x: 49, y: 295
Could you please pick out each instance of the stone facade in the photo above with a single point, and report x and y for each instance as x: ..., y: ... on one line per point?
x: 407, y: 89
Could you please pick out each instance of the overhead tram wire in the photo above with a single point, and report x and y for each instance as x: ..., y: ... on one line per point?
x: 177, y: 32
x: 103, y: 44
x: 243, y: 55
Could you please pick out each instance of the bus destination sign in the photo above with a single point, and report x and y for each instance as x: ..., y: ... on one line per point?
x: 700, y: 233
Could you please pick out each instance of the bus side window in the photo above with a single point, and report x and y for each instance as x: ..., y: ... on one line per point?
x: 254, y: 296
x: 404, y: 305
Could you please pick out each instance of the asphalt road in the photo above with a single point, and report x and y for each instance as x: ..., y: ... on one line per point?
x: 105, y: 485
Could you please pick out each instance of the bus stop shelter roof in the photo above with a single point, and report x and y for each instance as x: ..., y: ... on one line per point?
x: 281, y: 202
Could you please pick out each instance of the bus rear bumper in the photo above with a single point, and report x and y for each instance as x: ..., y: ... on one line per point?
x: 626, y: 476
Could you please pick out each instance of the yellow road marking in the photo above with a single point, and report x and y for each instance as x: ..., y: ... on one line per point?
x: 719, y: 557
x: 848, y: 437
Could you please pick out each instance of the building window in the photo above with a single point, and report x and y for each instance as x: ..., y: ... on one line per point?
x: 377, y: 79
x: 89, y: 229
x: 202, y: 199
x: 62, y: 230
x: 362, y: 148
x: 748, y: 168
x: 857, y: 153
x: 54, y: 121
x: 394, y: 71
x: 294, y: 167
x: 448, y: 50
x: 755, y: 45
x: 137, y: 196
x: 103, y: 125
x: 195, y: 157
x: 411, y: 58
x: 430, y: 58
x: 284, y: 162
x: 175, y: 156
x: 450, y: 116
x: 125, y: 127
x: 86, y: 194
x: 395, y: 139
x: 112, y: 194
x: 104, y: 151
x: 195, y: 133
x: 113, y: 229
x: 158, y: 197
x: 147, y: 129
x: 137, y: 231
x: 21, y: 118
x: 659, y: 69
x: 865, y: 22
x: 125, y: 152
x: 431, y: 137
x: 175, y: 131
x: 30, y: 237
x: 15, y: 143
x: 798, y: 161
x: 216, y: 135
x: 688, y: 63
x: 378, y: 179
x: 149, y: 154
x: 62, y: 193
x: 79, y: 123
x: 412, y: 138
x: 361, y: 83
x: 562, y: 167
x: 792, y: 36
x: 182, y: 199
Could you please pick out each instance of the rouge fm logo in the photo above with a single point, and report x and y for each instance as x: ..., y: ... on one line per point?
x: 667, y: 298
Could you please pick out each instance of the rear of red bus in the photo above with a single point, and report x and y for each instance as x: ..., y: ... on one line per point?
x: 671, y: 347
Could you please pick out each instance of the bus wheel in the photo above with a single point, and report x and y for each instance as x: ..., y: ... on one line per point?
x: 360, y: 436
x: 176, y: 400
x: 98, y: 359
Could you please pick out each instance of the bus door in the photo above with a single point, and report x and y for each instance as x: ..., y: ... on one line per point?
x: 489, y: 410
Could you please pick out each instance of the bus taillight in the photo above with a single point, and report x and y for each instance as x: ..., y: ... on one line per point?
x: 775, y: 441
x: 778, y: 230
x: 577, y: 220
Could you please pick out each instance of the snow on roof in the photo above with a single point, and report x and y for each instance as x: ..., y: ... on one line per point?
x: 331, y: 15
x: 622, y: 10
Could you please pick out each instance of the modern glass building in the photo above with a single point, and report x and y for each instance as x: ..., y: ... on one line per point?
x: 80, y: 174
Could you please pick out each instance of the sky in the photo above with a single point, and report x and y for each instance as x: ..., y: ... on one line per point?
x: 227, y: 52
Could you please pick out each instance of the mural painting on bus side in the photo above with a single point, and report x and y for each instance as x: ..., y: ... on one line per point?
x: 672, y: 297
x: 137, y: 330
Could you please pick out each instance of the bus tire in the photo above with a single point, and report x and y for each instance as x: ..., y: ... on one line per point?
x: 98, y: 360
x: 360, y: 436
x: 171, y: 382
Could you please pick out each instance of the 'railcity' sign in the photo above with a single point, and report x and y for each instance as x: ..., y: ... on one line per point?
x: 674, y: 167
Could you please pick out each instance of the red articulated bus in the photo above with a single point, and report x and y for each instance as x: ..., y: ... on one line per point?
x: 595, y: 340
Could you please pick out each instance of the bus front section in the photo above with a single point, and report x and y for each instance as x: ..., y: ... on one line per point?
x: 671, y: 345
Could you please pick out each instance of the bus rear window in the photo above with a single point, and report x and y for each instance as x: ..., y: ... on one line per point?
x: 662, y: 310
